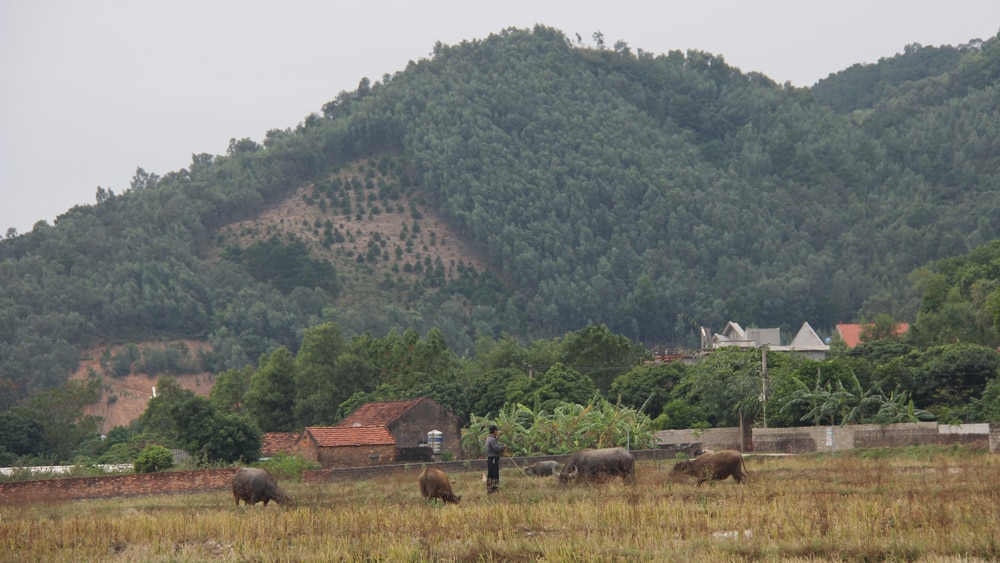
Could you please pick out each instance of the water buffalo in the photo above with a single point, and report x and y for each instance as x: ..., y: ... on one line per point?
x: 716, y: 466
x: 434, y: 484
x: 251, y: 484
x: 542, y: 468
x: 598, y: 465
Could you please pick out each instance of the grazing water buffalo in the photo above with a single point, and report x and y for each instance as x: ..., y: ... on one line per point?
x: 251, y: 484
x: 597, y: 465
x: 542, y: 468
x: 434, y: 484
x: 716, y: 466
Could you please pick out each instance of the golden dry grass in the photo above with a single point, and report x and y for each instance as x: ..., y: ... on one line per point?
x: 940, y: 506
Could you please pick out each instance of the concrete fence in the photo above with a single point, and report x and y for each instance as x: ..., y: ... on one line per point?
x: 809, y: 439
x: 63, y: 469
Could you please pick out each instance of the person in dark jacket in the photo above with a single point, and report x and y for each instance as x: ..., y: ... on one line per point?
x: 494, y: 449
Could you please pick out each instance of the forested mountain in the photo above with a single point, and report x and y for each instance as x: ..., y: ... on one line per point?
x: 651, y: 193
x: 863, y: 85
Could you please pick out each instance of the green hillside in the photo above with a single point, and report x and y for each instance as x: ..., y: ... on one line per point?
x: 520, y: 184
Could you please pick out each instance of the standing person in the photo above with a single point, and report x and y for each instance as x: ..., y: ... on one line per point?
x: 493, y: 451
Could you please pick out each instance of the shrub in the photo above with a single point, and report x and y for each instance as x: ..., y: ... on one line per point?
x: 7, y: 459
x: 154, y: 458
x: 119, y: 453
x: 284, y: 466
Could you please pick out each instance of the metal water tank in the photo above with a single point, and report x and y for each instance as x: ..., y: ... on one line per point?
x: 435, y: 439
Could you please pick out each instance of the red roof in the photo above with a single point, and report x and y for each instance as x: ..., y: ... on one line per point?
x: 851, y: 333
x: 275, y: 442
x: 380, y: 414
x: 333, y: 436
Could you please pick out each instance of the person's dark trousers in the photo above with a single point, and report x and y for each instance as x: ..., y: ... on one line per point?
x: 492, y: 474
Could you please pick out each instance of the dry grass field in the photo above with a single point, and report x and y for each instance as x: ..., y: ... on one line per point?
x: 917, y: 504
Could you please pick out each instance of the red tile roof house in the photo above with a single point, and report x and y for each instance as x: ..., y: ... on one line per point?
x: 278, y: 442
x: 409, y: 422
x: 851, y: 333
x: 352, y: 446
x: 380, y: 434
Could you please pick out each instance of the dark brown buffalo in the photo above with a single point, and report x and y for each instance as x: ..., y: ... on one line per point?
x: 434, y: 484
x: 715, y: 466
x: 598, y: 465
x: 251, y: 484
x: 542, y: 468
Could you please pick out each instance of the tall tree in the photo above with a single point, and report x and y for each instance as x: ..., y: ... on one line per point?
x: 648, y: 385
x: 327, y: 372
x: 21, y: 435
x: 157, y: 420
x: 601, y: 354
x: 60, y: 413
x: 270, y: 400
x: 229, y: 391
x: 215, y: 436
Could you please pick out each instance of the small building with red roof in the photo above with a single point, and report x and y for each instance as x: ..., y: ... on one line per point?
x: 851, y: 333
x: 350, y: 446
x: 409, y: 422
x: 382, y: 433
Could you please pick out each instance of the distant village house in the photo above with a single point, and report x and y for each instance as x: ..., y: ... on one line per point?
x: 382, y: 433
x: 806, y: 342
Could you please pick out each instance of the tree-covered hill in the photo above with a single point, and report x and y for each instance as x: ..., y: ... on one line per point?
x: 863, y: 85
x: 648, y: 192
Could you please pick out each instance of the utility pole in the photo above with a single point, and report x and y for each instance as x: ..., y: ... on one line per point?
x: 763, y: 377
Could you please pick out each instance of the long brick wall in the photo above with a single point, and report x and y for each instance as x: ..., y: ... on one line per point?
x: 106, y: 486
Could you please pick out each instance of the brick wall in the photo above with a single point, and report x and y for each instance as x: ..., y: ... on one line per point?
x: 116, y: 485
x: 355, y: 456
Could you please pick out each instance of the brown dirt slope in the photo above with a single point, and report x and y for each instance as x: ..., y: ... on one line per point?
x: 123, y: 399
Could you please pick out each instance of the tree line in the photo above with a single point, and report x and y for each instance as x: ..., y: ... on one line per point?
x: 589, y: 387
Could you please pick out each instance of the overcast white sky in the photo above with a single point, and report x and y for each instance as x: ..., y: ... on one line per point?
x: 89, y: 90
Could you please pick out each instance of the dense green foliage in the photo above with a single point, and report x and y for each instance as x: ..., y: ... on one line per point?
x: 567, y: 428
x: 960, y: 299
x: 863, y: 86
x: 286, y: 266
x: 634, y: 194
x: 178, y: 418
x: 679, y: 185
